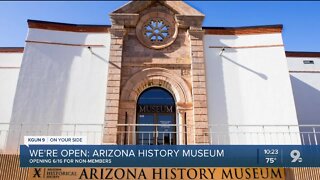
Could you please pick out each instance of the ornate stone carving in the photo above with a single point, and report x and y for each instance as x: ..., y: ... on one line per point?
x: 185, y: 72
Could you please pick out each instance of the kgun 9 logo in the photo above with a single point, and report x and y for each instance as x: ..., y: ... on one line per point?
x: 295, y: 154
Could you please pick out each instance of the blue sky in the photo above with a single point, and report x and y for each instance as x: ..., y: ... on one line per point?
x: 301, y: 20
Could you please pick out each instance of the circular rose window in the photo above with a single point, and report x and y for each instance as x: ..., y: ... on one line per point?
x: 156, y: 30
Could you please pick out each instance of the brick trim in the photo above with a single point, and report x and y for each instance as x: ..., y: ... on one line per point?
x: 67, y: 27
x: 11, y: 49
x: 268, y: 29
x: 302, y: 54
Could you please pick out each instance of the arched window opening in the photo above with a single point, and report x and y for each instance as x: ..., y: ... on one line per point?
x: 156, y: 117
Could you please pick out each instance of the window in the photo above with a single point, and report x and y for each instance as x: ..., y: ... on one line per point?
x: 308, y: 62
x: 156, y: 30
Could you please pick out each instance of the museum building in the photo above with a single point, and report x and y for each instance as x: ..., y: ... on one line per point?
x: 156, y: 76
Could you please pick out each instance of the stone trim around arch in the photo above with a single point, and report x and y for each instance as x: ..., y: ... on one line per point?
x: 160, y: 77
x: 155, y: 77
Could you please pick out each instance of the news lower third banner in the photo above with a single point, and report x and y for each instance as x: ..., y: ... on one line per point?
x: 169, y: 156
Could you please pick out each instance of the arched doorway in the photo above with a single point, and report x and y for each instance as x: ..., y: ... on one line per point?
x: 156, y: 117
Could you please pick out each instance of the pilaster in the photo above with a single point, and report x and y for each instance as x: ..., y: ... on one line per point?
x: 187, y: 130
x: 200, y: 112
x: 113, y: 85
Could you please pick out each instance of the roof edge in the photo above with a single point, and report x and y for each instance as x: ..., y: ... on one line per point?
x: 37, y: 24
x: 179, y: 7
x: 11, y: 49
x: 302, y: 54
x: 262, y: 29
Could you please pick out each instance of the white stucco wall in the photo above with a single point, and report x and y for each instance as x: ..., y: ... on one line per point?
x: 9, y: 72
x: 296, y: 64
x: 249, y: 86
x: 305, y: 79
x: 62, y: 85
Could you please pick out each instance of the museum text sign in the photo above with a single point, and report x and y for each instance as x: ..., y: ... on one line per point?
x: 156, y: 109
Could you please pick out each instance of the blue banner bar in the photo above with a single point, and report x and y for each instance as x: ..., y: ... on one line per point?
x: 169, y: 156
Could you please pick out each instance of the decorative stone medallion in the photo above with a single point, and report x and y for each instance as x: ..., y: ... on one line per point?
x: 157, y: 30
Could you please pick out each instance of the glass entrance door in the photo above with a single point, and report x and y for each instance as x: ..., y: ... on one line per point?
x: 156, y: 118
x: 156, y: 129
x: 166, y: 129
x: 146, y: 130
